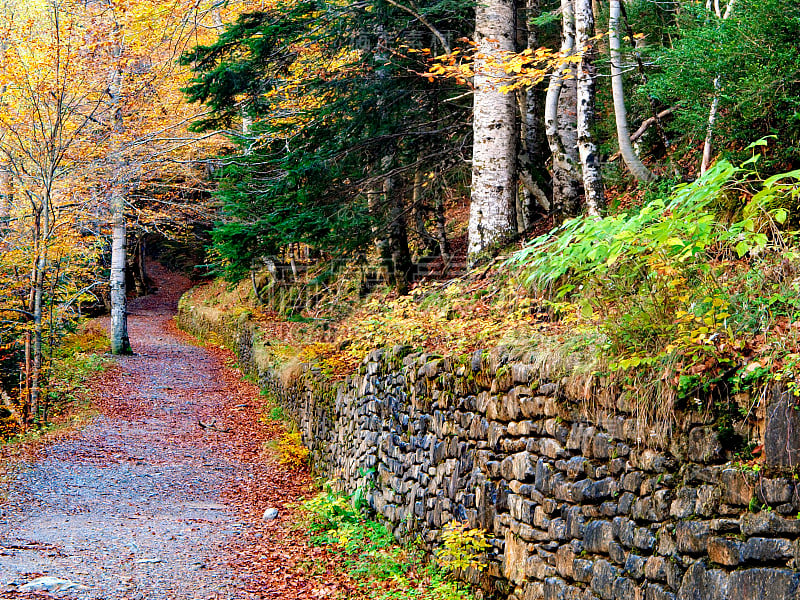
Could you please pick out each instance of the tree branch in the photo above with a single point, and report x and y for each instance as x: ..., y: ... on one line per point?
x: 425, y: 22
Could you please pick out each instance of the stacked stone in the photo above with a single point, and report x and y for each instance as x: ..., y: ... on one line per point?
x: 575, y: 507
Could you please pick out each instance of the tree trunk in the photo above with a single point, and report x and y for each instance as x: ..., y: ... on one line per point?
x: 587, y: 74
x: 492, y: 218
x: 441, y: 234
x: 534, y: 198
x: 6, y: 195
x: 120, y: 344
x: 38, y: 304
x: 420, y: 209
x: 398, y: 237
x: 712, y: 113
x: 559, y: 122
x: 639, y: 171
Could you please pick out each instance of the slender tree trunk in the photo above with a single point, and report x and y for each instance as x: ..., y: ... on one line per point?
x: 120, y: 343
x: 657, y: 115
x: 441, y: 233
x: 492, y: 218
x: 559, y: 122
x: 6, y: 195
x: 420, y: 209
x: 398, y: 236
x: 712, y: 113
x: 380, y: 237
x: 38, y: 304
x: 587, y: 74
x: 636, y: 167
x: 28, y: 374
x: 534, y: 198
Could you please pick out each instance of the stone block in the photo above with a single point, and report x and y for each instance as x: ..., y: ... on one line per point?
x: 582, y: 570
x: 782, y: 431
x: 654, y: 591
x: 625, y: 503
x: 737, y: 487
x: 551, y: 448
x: 773, y: 491
x: 597, y: 536
x: 703, y: 445
x: 515, y: 558
x: 544, y: 476
x: 708, y: 500
x: 532, y: 407
x: 724, y: 551
x: 625, y: 588
x: 682, y: 506
x: 564, y: 562
x: 643, y: 539
x: 768, y: 524
x: 634, y: 566
x: 524, y: 466
x: 764, y: 584
x: 603, y: 576
x: 652, y: 461
x: 616, y: 553
x: 768, y: 550
x: 632, y: 482
x: 656, y: 568
x: 557, y: 529
x: 692, y: 536
x: 574, y: 521
x: 701, y: 584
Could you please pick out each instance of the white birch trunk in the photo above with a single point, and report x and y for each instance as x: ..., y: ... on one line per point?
x: 492, y: 218
x: 120, y: 344
x: 636, y: 167
x: 587, y: 149
x: 559, y: 125
x: 712, y: 113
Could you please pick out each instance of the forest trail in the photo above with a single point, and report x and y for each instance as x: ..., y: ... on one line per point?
x: 144, y: 503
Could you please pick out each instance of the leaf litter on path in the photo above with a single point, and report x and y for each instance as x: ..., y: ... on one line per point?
x: 144, y: 503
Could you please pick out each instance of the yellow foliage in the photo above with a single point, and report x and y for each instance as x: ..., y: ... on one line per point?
x: 462, y: 547
x: 292, y: 451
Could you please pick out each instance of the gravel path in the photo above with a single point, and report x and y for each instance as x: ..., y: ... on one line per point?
x: 143, y: 502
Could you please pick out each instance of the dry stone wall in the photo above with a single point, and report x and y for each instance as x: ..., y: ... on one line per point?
x: 577, y: 505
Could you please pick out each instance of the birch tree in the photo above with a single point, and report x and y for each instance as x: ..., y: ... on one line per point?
x: 492, y: 217
x: 120, y: 344
x: 632, y: 161
x: 587, y: 74
x: 559, y: 121
x: 712, y: 113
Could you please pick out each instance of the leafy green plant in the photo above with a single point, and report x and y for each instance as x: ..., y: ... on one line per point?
x: 462, y: 547
x: 383, y: 569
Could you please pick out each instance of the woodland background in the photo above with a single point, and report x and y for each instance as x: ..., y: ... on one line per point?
x: 357, y: 167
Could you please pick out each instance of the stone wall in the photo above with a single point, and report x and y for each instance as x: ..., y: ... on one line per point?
x: 578, y: 499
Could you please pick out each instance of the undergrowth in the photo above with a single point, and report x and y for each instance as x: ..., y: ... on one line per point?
x: 78, y: 357
x: 692, y: 295
x: 689, y: 297
x: 381, y: 568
